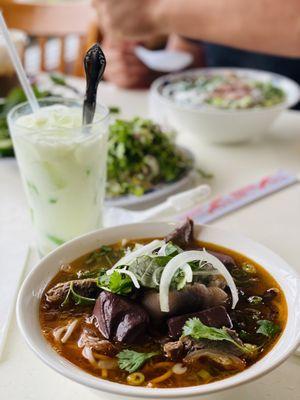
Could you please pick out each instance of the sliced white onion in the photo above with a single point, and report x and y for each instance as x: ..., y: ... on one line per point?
x: 144, y: 250
x: 129, y: 273
x: 154, y: 275
x: 162, y: 250
x: 179, y: 369
x: 166, y: 278
x: 188, y: 272
x: 183, y: 258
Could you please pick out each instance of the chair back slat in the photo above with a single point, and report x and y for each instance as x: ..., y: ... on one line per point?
x: 44, y: 21
x: 42, y: 45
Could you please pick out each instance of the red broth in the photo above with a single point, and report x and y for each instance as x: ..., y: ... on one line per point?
x: 157, y: 371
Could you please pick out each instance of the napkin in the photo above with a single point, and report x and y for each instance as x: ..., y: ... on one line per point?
x: 14, y: 242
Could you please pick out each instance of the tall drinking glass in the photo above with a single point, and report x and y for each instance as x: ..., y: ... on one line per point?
x: 63, y: 167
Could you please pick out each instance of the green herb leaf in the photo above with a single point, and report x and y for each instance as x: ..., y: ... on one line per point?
x: 172, y: 249
x: 268, y: 328
x: 105, y: 255
x: 116, y: 283
x: 197, y: 330
x: 148, y: 270
x: 77, y: 298
x: 131, y: 360
x: 80, y: 300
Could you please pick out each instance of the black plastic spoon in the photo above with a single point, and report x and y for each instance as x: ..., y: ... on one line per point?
x: 94, y: 66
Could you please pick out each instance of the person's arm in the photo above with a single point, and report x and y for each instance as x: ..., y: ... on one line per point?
x: 269, y: 26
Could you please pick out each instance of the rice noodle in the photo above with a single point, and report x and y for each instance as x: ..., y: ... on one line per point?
x: 88, y: 354
x: 144, y: 250
x: 108, y: 364
x: 181, y: 259
x: 162, y: 250
x: 57, y: 332
x: 67, y: 330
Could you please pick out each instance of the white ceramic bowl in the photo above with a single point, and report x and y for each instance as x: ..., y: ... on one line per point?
x: 31, y: 291
x: 217, y: 125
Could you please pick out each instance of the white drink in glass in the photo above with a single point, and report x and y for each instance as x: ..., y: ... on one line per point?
x: 63, y: 168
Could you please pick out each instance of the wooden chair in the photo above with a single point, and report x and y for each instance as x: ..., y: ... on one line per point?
x: 43, y: 21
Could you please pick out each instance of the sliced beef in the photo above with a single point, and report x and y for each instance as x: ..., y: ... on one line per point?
x: 174, y: 350
x: 88, y: 338
x: 190, y: 299
x: 215, y: 316
x: 217, y: 281
x: 119, y: 318
x: 84, y: 287
x: 223, y: 354
x: 222, y: 359
x: 225, y: 259
x: 182, y: 236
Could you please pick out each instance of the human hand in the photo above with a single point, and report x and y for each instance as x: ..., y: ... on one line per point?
x: 130, y: 18
x: 123, y: 68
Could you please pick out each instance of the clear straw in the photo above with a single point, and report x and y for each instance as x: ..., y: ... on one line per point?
x: 18, y: 65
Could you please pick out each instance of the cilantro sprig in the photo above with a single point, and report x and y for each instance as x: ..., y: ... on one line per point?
x: 116, y: 283
x: 131, y: 360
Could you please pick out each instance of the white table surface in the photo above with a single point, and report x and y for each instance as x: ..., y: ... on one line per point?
x: 274, y: 221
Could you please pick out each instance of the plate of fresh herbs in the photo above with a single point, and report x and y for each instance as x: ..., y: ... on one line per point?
x: 144, y: 162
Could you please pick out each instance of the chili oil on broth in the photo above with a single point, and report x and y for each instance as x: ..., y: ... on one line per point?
x: 51, y: 319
